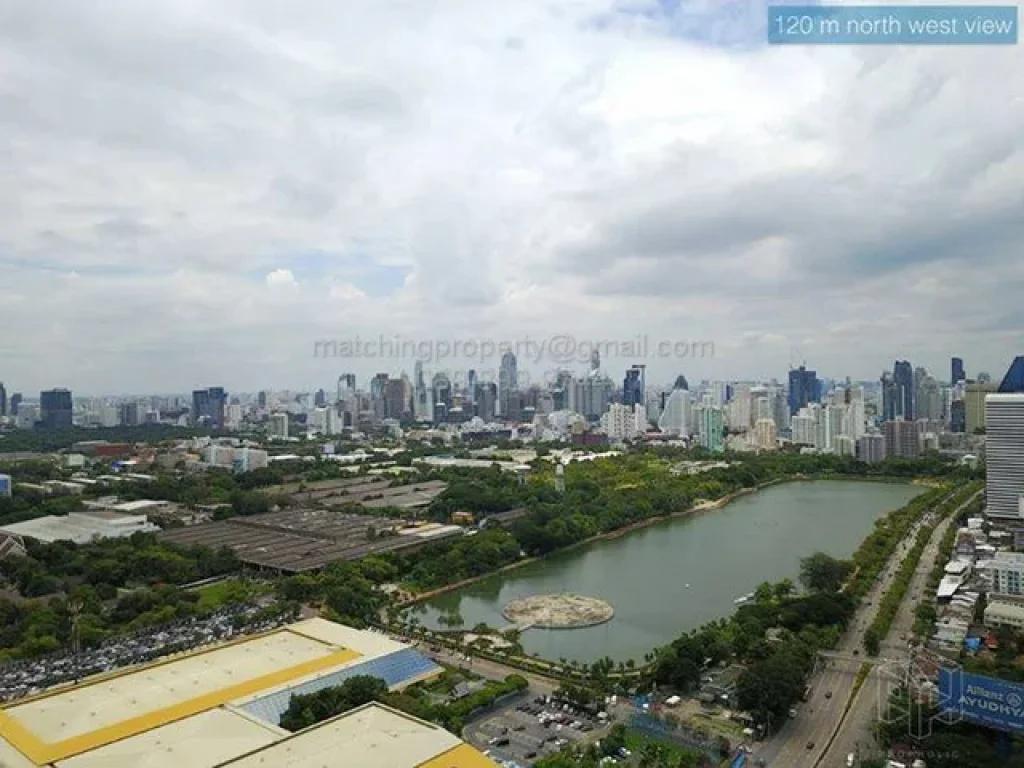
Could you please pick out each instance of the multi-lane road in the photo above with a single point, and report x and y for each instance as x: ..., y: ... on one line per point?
x: 855, y: 732
x: 811, y: 738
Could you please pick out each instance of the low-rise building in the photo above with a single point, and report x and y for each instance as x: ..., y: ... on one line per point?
x: 1004, y: 611
x: 1003, y: 573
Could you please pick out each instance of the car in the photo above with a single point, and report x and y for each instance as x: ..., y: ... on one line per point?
x: 828, y: 694
x: 519, y: 728
x: 850, y: 760
x: 810, y: 745
x: 530, y: 755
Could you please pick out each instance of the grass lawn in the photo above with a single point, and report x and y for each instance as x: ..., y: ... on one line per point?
x: 221, y: 593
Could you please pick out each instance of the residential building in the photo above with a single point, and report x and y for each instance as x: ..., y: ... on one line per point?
x: 675, y: 417
x: 1004, y: 611
x: 712, y: 428
x: 624, y: 422
x: 1004, y: 573
x: 871, y: 448
x: 844, y: 445
x: 765, y: 434
x: 804, y: 428
x: 279, y: 425
x: 55, y: 409
x: 1004, y: 455
x: 901, y: 439
x: 590, y: 396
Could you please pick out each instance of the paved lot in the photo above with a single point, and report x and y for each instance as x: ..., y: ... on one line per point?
x: 530, y: 728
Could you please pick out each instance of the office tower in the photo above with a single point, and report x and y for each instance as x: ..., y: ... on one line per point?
x: 1013, y: 381
x: 129, y: 414
x: 441, y: 391
x: 279, y: 425
x: 903, y: 380
x: 208, y: 406
x: 422, y: 405
x: 765, y: 434
x: 560, y: 391
x: 471, y: 382
x: 487, y: 400
x: 958, y: 416
x: 633, y: 386
x: 763, y: 408
x: 803, y: 388
x: 901, y: 439
x: 508, y: 380
x: 15, y: 402
x: 55, y: 406
x: 928, y: 397
x: 974, y: 405
x: 712, y: 425
x: 3, y: 400
x: 319, y: 399
x: 957, y: 370
x: 595, y: 362
x: 871, y: 448
x: 1004, y: 455
x: 675, y: 416
x: 261, y: 399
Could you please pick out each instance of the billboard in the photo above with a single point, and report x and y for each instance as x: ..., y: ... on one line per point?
x: 982, y: 700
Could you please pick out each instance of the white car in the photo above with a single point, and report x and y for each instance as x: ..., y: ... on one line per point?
x: 850, y: 760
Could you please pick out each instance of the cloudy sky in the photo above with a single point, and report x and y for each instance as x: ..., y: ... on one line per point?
x: 193, y: 192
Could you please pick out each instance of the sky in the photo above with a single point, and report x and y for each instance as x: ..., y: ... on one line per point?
x: 193, y: 193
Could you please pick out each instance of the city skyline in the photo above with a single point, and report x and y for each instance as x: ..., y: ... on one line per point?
x: 195, y: 196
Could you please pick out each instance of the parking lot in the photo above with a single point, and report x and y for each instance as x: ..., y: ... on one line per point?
x: 528, y: 729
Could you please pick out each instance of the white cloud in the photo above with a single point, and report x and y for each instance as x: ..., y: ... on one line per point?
x: 250, y: 176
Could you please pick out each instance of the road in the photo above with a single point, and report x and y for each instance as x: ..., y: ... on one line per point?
x: 802, y: 740
x: 856, y: 731
x: 492, y: 670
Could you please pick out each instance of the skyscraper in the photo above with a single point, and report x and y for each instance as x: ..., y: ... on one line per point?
x: 901, y: 438
x: 898, y: 393
x: 15, y: 402
x: 957, y: 370
x: 712, y: 424
x: 346, y: 386
x: 1004, y: 455
x: 803, y: 389
x: 508, y: 381
x: 56, y: 408
x: 633, y: 386
x: 3, y: 400
x: 208, y: 406
x: 319, y: 398
x: 1013, y: 381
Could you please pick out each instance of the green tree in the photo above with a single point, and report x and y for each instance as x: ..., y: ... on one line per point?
x: 822, y: 573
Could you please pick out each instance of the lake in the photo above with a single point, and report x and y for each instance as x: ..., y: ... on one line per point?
x: 678, y: 574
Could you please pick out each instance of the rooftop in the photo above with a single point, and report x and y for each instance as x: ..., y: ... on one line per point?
x: 193, y: 711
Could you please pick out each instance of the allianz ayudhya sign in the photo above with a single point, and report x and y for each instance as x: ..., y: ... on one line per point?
x: 983, y: 700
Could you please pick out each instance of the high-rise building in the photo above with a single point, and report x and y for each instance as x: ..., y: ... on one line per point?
x: 1013, y: 381
x: 319, y: 399
x: 346, y: 386
x: 974, y: 405
x: 279, y: 425
x: 675, y: 416
x: 589, y: 397
x: 1004, y: 455
x: 624, y: 422
x: 957, y: 372
x: 486, y: 400
x: 958, y: 416
x: 871, y: 448
x: 595, y: 362
x: 3, y: 400
x: 901, y: 439
x: 765, y: 434
x: 129, y: 415
x: 898, y: 393
x: 712, y: 427
x: 208, y: 406
x: 261, y: 399
x: 633, y: 386
x: 928, y: 398
x: 56, y: 409
x: 508, y: 380
x: 741, y: 408
x: 804, y: 388
x: 15, y: 402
